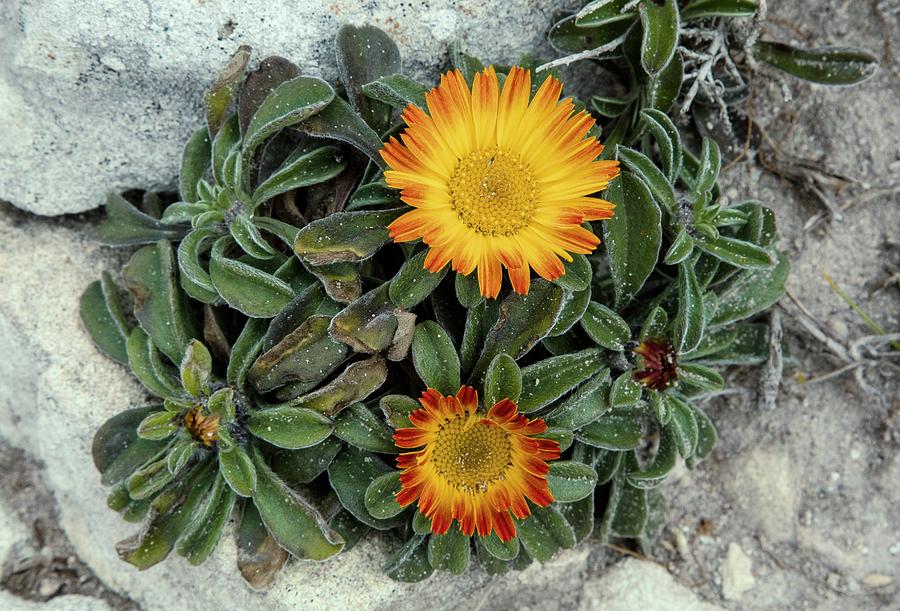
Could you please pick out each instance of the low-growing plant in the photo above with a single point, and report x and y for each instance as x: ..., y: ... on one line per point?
x: 332, y: 348
x: 693, y: 57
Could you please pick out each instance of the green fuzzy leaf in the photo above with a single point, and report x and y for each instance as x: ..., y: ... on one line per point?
x: 607, y: 464
x: 348, y: 237
x: 577, y: 275
x: 491, y: 565
x: 101, y: 314
x: 689, y: 322
x: 350, y: 475
x: 371, y: 323
x: 290, y: 427
x: 248, y: 237
x: 355, y: 383
x: 196, y: 367
x: 654, y: 326
x: 357, y: 425
x: 709, y: 164
x: 225, y: 143
x: 147, y: 365
x: 524, y: 320
x: 338, y: 121
x: 311, y: 168
x: 667, y: 139
x: 157, y: 426
x: 703, y: 9
x: 632, y: 236
x: 681, y: 248
x: 245, y: 350
x: 364, y: 54
x: 744, y: 344
x: 304, y: 465
x: 631, y: 509
x: 247, y: 289
x: 449, y: 552
x: 683, y: 425
x: 610, y: 107
x: 238, y: 470
x: 706, y: 436
x: 605, y: 327
x: 574, y: 306
x: 545, y: 532
x: 372, y: 195
x: 467, y: 292
x: 625, y: 391
x: 664, y: 461
x: 826, y: 65
x: 580, y: 515
x: 752, y: 291
x: 118, y: 451
x: 421, y: 525
x: 586, y: 404
x: 663, y: 88
x: 397, y: 90
x: 546, y: 381
x: 180, y: 455
x: 149, y: 479
x: 194, y: 162
x: 499, y: 549
x: 159, y: 305
x: 217, y: 98
x: 182, y: 212
x: 410, y: 563
x: 205, y: 530
x: 169, y: 517
x: 194, y: 278
x: 397, y: 408
x: 294, y: 523
x: 414, y: 282
x: 565, y: 36
x: 288, y: 104
x: 259, y: 557
x: 380, y: 496
x: 435, y: 358
x: 736, y: 252
x: 571, y: 481
x: 611, y: 431
x: 602, y: 12
x: 703, y: 377
x: 307, y: 354
x: 652, y: 176
x: 660, y: 35
x: 502, y: 380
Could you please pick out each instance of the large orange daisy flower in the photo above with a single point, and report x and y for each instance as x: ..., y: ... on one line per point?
x: 474, y: 468
x: 496, y: 179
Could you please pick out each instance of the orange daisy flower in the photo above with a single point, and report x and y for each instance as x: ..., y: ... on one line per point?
x: 474, y: 468
x: 497, y: 180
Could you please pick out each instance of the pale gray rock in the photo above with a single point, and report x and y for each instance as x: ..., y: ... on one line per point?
x: 101, y: 96
x: 737, y: 573
x: 636, y: 585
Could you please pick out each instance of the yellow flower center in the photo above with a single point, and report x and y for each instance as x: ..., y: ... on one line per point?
x: 469, y: 458
x: 493, y: 192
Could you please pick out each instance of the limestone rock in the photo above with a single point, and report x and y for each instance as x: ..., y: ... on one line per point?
x: 101, y: 96
x: 638, y: 585
x: 737, y: 576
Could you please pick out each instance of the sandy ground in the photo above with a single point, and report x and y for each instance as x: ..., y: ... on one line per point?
x: 797, y: 507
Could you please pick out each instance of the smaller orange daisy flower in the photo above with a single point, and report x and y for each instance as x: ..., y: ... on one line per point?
x: 475, y: 468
